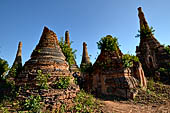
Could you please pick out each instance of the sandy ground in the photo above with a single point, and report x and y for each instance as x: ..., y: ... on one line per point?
x: 117, y: 107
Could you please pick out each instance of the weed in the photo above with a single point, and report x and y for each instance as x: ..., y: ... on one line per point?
x: 62, y: 83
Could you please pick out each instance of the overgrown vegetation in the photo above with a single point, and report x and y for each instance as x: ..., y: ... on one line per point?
x: 62, y: 83
x: 167, y: 48
x: 68, y: 52
x: 108, y: 43
x: 145, y: 32
x: 42, y: 79
x: 15, y: 70
x: 3, y: 68
x: 32, y: 104
x: 85, y: 103
x: 7, y: 88
x: 129, y: 60
x: 156, y: 93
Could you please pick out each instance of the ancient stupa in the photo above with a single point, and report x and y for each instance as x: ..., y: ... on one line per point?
x: 85, y: 67
x: 85, y: 57
x: 110, y: 77
x: 74, y: 66
x: 151, y: 53
x: 18, y: 58
x: 17, y: 64
x: 47, y: 57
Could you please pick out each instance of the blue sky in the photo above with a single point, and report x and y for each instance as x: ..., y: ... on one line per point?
x: 86, y: 20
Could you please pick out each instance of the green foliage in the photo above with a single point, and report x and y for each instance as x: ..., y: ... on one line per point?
x: 32, y: 104
x: 62, y: 83
x: 42, y: 79
x: 145, y: 32
x: 3, y: 67
x: 68, y: 52
x: 128, y: 60
x: 150, y: 84
x: 108, y: 43
x: 37, y: 51
x: 76, y: 81
x: 7, y: 86
x: 163, y: 70
x: 167, y: 48
x: 4, y: 110
x: 63, y: 108
x: 15, y: 70
x: 84, y: 103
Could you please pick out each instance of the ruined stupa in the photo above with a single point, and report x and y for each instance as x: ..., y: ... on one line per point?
x: 74, y: 66
x: 17, y: 64
x: 67, y: 38
x: 151, y: 53
x: 18, y: 58
x: 48, y: 58
x: 85, y: 68
x: 85, y: 57
x: 109, y: 76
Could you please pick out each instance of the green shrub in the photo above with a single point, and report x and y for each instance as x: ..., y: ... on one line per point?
x: 42, y: 79
x: 67, y: 51
x: 62, y: 83
x: 145, y: 32
x: 128, y: 60
x: 163, y: 70
x: 84, y: 103
x: 167, y: 48
x: 108, y: 43
x: 150, y: 84
x: 3, y: 68
x: 15, y: 70
x: 4, y: 110
x: 32, y: 104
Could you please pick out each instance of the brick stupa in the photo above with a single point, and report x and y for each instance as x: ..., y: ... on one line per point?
x: 111, y: 78
x: 48, y: 58
x: 18, y: 58
x: 152, y: 54
x: 17, y: 64
x: 74, y: 67
x: 85, y: 68
x: 85, y: 57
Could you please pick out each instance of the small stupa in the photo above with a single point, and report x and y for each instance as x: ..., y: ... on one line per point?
x: 18, y: 58
x: 74, y: 66
x: 85, y: 68
x: 17, y: 64
x: 85, y: 57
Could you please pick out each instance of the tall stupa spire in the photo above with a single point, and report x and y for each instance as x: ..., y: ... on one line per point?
x: 67, y: 38
x: 18, y: 58
x: 143, y: 22
x: 85, y: 57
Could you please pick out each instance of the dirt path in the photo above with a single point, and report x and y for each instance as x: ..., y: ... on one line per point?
x: 117, y: 107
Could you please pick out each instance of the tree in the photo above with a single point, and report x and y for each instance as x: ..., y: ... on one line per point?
x: 67, y: 51
x: 108, y: 43
x: 3, y: 67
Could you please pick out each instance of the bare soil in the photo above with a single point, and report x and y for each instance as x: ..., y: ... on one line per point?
x: 124, y: 107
